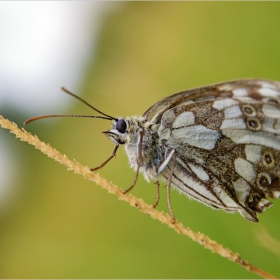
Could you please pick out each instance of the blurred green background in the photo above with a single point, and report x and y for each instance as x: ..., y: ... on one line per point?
x: 60, y: 225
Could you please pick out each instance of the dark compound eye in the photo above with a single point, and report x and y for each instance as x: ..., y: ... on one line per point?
x: 121, y: 126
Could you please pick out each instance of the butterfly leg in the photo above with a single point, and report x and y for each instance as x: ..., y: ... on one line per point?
x: 158, y: 195
x: 107, y: 160
x: 168, y: 185
x: 139, y: 161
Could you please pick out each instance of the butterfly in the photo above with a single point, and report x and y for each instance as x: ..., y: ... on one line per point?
x: 218, y: 144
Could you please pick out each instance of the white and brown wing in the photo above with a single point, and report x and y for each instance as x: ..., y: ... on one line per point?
x: 227, y: 142
x: 252, y: 88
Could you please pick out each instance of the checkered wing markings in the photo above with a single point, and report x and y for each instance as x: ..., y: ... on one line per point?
x: 239, y: 164
x: 225, y: 89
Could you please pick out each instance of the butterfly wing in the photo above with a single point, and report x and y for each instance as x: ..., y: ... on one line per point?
x: 226, y: 138
x: 237, y: 88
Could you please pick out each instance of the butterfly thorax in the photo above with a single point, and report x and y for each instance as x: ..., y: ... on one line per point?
x: 151, y: 151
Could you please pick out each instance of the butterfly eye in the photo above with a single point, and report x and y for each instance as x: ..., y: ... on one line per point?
x: 121, y: 126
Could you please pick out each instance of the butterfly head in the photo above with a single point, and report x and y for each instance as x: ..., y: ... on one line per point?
x: 126, y: 130
x: 119, y: 132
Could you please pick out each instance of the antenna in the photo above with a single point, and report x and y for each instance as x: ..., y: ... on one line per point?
x: 107, y: 117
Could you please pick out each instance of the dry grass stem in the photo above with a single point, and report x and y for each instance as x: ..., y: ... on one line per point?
x: 132, y: 200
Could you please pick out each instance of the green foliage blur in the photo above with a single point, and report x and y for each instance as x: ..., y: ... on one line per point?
x: 63, y: 226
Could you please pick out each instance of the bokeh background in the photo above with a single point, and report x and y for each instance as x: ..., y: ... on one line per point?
x: 122, y: 57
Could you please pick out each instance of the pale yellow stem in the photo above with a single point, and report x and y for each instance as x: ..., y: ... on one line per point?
x: 132, y: 200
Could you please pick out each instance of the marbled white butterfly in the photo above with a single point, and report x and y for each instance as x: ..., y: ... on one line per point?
x: 218, y: 144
